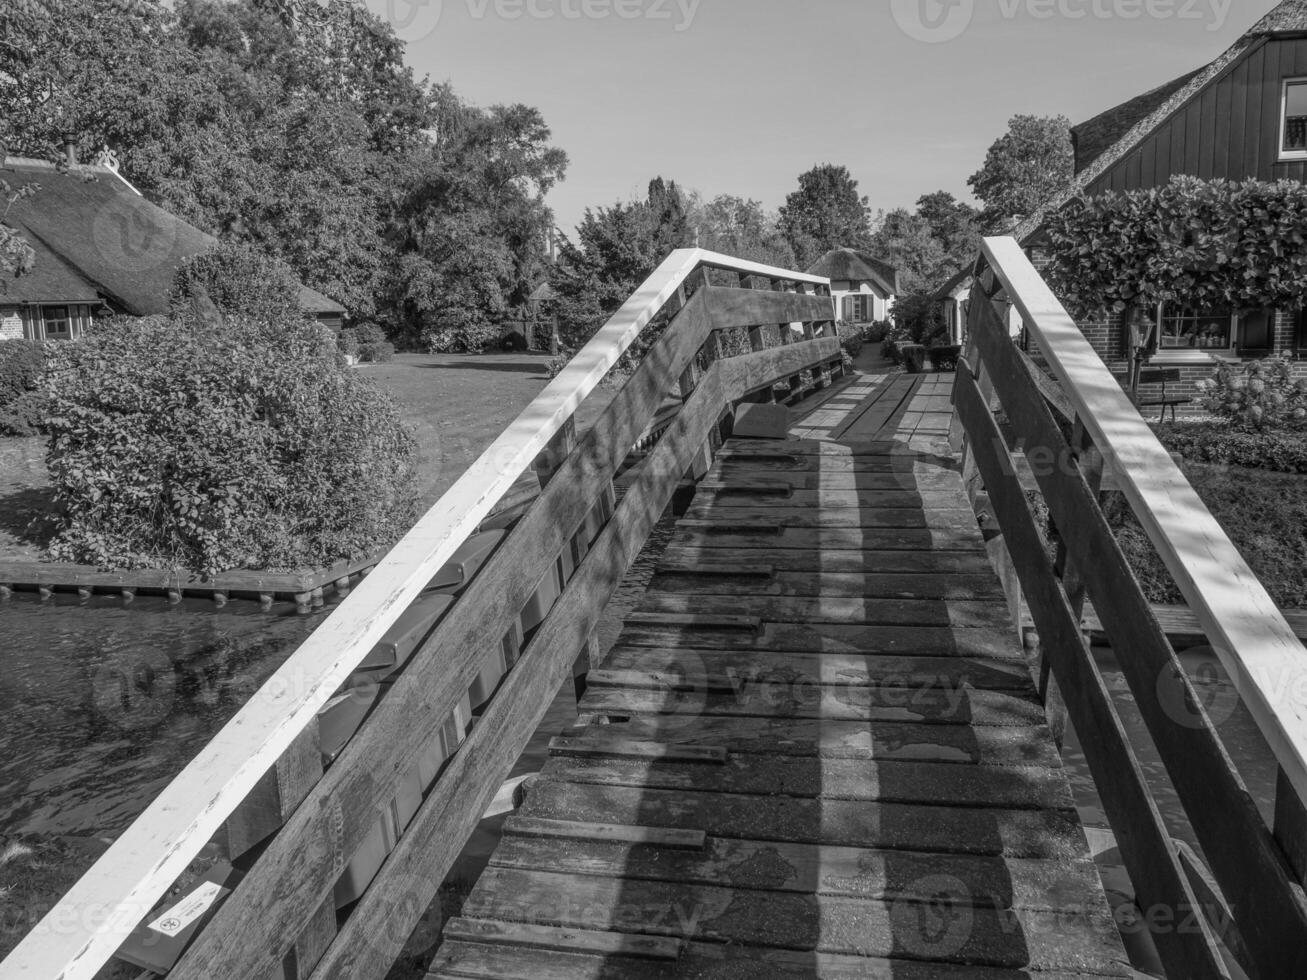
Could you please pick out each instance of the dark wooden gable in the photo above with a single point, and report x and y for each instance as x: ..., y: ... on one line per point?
x: 1230, y: 129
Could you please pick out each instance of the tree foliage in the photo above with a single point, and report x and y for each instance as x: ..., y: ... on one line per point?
x: 295, y: 126
x: 1024, y: 169
x: 741, y: 228
x: 1204, y: 244
x: 250, y: 445
x: 826, y: 212
x: 616, y: 249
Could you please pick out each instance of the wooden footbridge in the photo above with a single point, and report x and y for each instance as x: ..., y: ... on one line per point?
x: 819, y: 747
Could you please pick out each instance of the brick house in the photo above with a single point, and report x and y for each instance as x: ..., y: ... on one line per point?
x: 864, y: 287
x: 100, y: 248
x: 1241, y: 117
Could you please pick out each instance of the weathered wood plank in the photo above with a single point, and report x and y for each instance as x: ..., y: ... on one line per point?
x: 1045, y: 834
x: 727, y: 580
x: 744, y: 375
x: 790, y: 516
x: 765, y: 775
x: 826, y: 738
x: 934, y: 705
x: 730, y: 670
x: 997, y: 642
x: 767, y: 534
x: 1021, y: 938
x: 713, y: 961
x: 665, y: 837
x: 829, y: 499
x: 625, y: 748
x: 788, y: 609
x: 690, y: 551
x: 736, y: 479
x: 849, y: 872
x: 550, y: 939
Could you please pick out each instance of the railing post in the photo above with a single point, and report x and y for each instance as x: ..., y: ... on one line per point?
x: 1291, y: 826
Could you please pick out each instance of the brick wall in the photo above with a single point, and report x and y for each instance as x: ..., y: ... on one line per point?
x: 11, y: 323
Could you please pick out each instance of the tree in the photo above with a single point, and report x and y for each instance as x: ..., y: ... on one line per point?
x: 955, y: 225
x: 743, y: 229
x: 471, y: 225
x: 907, y: 242
x: 826, y: 212
x: 1024, y: 169
x: 616, y: 249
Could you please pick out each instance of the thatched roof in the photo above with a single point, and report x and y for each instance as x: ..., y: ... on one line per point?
x: 854, y: 266
x: 954, y: 281
x: 1109, y: 137
x: 97, y: 240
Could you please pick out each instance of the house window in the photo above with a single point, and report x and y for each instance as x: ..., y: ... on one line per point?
x: 1301, y: 331
x: 858, y: 308
x: 1179, y: 328
x: 1293, y: 124
x: 57, y: 322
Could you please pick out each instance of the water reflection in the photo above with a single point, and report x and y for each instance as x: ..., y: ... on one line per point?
x: 105, y: 704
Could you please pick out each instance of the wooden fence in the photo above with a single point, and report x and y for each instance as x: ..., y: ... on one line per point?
x: 343, y: 848
x: 1070, y: 433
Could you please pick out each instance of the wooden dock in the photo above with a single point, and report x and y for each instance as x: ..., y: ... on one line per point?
x: 816, y: 749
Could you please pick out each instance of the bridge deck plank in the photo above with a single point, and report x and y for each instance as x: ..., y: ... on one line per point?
x: 890, y: 802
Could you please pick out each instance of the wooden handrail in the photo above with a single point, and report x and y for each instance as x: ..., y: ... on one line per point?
x: 1258, y: 648
x: 92, y: 920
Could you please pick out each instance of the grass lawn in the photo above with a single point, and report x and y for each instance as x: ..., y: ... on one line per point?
x: 456, y: 405
x: 1265, y: 515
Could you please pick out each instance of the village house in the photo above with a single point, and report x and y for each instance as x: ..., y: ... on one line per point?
x: 1241, y: 117
x: 101, y: 248
x: 864, y: 287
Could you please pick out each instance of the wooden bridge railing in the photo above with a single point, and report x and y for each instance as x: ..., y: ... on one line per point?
x: 421, y: 770
x: 1259, y: 869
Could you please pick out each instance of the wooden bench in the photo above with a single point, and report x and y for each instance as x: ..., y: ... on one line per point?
x: 1157, y: 376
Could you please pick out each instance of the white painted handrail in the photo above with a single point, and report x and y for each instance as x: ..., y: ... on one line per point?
x: 93, y: 919
x: 1249, y: 634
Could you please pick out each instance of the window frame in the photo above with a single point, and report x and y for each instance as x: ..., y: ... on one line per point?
x: 1284, y: 154
x: 68, y: 320
x: 1230, y: 349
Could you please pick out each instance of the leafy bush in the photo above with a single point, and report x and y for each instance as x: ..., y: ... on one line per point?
x: 878, y: 331
x: 372, y: 345
x: 249, y: 445
x: 21, y: 365
x: 238, y: 280
x: 920, y: 319
x: 1257, y: 395
x: 1220, y: 443
x: 347, y: 342
x: 25, y: 415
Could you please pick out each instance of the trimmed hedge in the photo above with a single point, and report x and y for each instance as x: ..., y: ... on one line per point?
x: 22, y: 405
x: 1218, y: 443
x: 213, y: 445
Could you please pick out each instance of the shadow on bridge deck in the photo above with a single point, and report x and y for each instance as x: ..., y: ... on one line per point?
x: 815, y: 751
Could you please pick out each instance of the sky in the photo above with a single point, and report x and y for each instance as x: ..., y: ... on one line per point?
x: 742, y: 96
